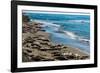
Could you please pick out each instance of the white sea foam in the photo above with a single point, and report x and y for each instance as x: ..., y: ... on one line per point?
x: 47, y: 23
x: 54, y: 27
x: 75, y: 37
x: 84, y: 40
x: 70, y: 34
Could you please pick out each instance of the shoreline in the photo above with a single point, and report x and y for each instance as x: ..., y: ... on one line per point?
x: 67, y: 36
x: 37, y: 46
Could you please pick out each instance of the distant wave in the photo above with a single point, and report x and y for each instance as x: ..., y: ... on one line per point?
x: 47, y: 23
x: 79, y: 21
x: 72, y: 21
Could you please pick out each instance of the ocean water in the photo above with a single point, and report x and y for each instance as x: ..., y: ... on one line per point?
x: 72, y: 30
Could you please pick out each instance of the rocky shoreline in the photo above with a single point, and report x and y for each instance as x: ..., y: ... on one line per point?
x: 36, y: 45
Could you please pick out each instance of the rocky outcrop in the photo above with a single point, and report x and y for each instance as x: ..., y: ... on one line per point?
x: 36, y: 46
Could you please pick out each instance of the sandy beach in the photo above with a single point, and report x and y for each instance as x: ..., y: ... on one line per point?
x: 37, y: 45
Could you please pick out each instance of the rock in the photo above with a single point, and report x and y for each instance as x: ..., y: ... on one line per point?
x: 27, y: 53
x: 27, y: 49
x: 60, y: 58
x: 36, y: 43
x: 35, y: 37
x: 36, y: 24
x: 45, y: 48
x: 37, y: 58
x: 28, y: 45
x: 42, y: 38
x: 47, y: 60
x: 42, y: 34
x: 42, y: 30
x: 65, y: 53
x: 25, y: 58
x: 57, y: 54
x: 35, y: 46
x: 44, y: 43
x: 48, y: 43
x: 76, y: 55
x: 57, y: 48
x: 29, y: 40
x: 46, y: 39
x: 64, y: 46
x: 25, y: 18
x: 69, y: 55
x: 84, y: 57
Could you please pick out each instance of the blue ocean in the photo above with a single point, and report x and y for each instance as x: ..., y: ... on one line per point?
x: 67, y: 29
